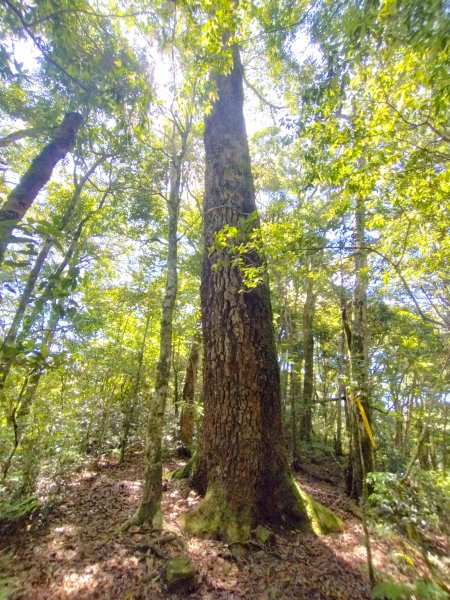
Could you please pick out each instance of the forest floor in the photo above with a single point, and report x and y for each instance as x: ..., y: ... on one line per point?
x: 74, y: 553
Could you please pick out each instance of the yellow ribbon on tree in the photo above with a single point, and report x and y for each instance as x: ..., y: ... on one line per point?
x: 365, y: 419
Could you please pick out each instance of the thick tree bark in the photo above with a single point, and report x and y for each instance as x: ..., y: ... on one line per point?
x: 34, y: 179
x: 244, y: 458
x: 308, y: 356
x: 361, y: 457
x: 187, y: 411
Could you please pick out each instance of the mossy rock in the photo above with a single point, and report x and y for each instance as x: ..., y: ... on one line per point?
x: 264, y: 536
x: 180, y: 575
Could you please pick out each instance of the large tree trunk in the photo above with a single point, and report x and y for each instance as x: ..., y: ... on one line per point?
x: 244, y: 457
x: 361, y: 456
x: 34, y: 179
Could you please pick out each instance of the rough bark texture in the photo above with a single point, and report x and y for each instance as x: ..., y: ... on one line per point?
x: 190, y: 382
x: 244, y: 458
x: 308, y: 354
x: 361, y: 456
x: 34, y: 179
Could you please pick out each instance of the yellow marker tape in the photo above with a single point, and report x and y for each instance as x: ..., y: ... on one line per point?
x: 366, y: 422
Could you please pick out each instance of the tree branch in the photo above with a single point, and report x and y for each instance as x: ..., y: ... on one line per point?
x: 9, y: 139
x: 39, y: 45
x: 260, y: 96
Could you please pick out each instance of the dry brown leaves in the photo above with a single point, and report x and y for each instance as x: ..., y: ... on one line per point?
x: 76, y: 554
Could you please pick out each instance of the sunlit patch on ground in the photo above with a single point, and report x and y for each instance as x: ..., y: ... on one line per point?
x: 78, y: 555
x: 132, y: 487
x: 75, y: 581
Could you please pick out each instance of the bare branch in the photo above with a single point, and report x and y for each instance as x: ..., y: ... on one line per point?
x: 15, y: 136
x: 40, y: 46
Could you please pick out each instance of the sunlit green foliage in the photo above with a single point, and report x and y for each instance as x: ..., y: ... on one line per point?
x: 354, y: 103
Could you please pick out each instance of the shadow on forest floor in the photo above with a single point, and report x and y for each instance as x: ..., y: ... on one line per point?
x: 76, y: 554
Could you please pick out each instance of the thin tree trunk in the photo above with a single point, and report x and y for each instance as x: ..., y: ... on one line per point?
x: 149, y: 509
x: 176, y: 393
x: 11, y: 138
x: 41, y: 258
x: 28, y: 391
x: 308, y: 357
x: 444, y: 441
x: 134, y: 396
x: 187, y: 411
x: 342, y: 394
x: 423, y: 448
x: 361, y: 456
x: 34, y: 179
x: 424, y: 434
x: 8, y: 354
x: 295, y: 391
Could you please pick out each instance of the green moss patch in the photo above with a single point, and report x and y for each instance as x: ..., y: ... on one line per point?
x: 180, y: 575
x: 322, y: 519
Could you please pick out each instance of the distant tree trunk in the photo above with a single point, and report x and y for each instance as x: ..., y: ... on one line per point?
x: 295, y: 392
x: 360, y: 458
x: 423, y: 447
x: 21, y: 411
x: 308, y: 357
x: 444, y: 440
x: 342, y: 395
x: 34, y: 179
x: 8, y: 349
x: 395, y: 384
x: 284, y: 383
x: 245, y: 463
x: 409, y: 409
x: 149, y: 509
x: 176, y: 392
x: 133, y: 398
x: 187, y: 411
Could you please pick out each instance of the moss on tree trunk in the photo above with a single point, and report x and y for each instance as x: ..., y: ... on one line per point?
x: 244, y: 461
